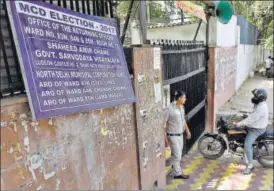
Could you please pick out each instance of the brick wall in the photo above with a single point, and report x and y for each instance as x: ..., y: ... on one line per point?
x: 93, y: 150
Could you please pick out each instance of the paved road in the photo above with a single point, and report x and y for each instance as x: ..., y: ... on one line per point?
x: 226, y: 173
x: 222, y: 174
x: 241, y: 103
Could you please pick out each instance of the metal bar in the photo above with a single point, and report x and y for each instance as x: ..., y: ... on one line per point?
x: 15, y: 55
x: 195, y: 110
x: 184, y: 77
x: 127, y: 21
x: 143, y: 21
x: 83, y: 6
x: 6, y: 62
x: 71, y: 5
x: 50, y: 1
x: 59, y: 2
x: 148, y: 12
x: 182, y: 51
x: 198, y: 28
x: 77, y: 5
x: 182, y: 16
x: 97, y: 7
x: 106, y: 8
x: 102, y: 6
x: 88, y: 6
x: 65, y: 3
x: 111, y: 8
x: 118, y: 26
x: 94, y: 7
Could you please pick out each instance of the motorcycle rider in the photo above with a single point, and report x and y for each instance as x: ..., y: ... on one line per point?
x: 255, y: 124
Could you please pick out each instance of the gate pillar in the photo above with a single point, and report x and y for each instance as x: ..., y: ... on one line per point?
x: 149, y: 116
x: 211, y: 109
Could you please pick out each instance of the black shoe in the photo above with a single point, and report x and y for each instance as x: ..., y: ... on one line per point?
x: 248, y: 171
x: 182, y: 176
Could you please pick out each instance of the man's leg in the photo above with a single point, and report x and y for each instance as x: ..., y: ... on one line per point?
x: 176, y: 155
x: 252, y: 135
x: 266, y: 71
x: 184, y: 176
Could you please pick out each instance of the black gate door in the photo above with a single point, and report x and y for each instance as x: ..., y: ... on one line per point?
x: 184, y: 69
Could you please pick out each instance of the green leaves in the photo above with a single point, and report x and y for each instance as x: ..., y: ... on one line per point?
x: 156, y: 9
x: 122, y: 8
x: 269, y: 43
x: 260, y: 14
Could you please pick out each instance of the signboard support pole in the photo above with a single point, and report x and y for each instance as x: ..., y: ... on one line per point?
x: 143, y: 22
x: 182, y: 16
x: 197, y: 30
x: 127, y: 21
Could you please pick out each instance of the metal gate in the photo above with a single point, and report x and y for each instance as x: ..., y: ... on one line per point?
x: 184, y: 69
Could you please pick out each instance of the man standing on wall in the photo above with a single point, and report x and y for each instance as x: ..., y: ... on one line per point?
x: 175, y: 127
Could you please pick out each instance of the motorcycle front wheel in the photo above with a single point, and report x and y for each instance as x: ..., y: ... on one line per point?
x: 211, y: 146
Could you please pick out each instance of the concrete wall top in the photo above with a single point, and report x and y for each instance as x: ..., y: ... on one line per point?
x: 183, y: 32
x: 227, y: 33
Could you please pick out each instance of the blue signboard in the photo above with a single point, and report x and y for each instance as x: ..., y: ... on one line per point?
x: 71, y: 62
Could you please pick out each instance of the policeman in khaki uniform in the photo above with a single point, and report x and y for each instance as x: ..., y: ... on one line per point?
x: 176, y: 125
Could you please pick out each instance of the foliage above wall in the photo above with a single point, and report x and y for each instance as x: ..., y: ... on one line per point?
x: 260, y: 14
x: 157, y: 11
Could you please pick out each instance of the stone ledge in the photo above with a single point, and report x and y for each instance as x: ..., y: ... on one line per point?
x: 14, y: 100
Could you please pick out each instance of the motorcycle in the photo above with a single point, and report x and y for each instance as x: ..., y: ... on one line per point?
x: 213, y: 146
x: 270, y: 72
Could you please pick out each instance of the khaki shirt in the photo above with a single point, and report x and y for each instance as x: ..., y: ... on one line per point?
x: 174, y: 119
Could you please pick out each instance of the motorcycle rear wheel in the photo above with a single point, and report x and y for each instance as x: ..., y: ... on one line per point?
x: 216, y: 144
x: 266, y: 158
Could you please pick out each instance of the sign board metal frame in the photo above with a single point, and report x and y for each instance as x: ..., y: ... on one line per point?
x: 112, y: 60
